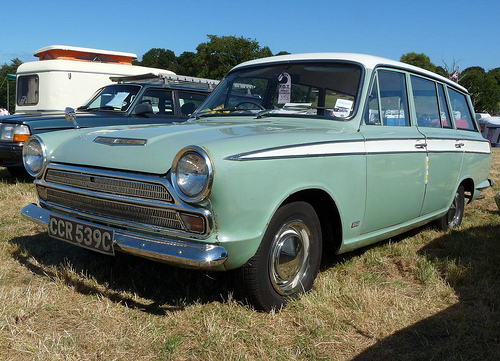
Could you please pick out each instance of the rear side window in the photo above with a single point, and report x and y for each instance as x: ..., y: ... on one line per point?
x: 460, y: 110
x: 27, y: 90
x: 426, y: 102
x: 430, y: 103
x: 189, y: 102
x: 443, y: 108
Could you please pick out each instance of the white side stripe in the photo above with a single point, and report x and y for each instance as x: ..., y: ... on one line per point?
x: 369, y: 147
x: 310, y: 150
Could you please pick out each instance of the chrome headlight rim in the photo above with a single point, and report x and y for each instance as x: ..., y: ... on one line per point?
x: 39, y: 170
x: 207, y: 186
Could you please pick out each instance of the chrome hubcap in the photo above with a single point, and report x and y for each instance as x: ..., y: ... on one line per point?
x: 290, y: 253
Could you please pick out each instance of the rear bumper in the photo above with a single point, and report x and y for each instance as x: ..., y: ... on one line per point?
x: 487, y: 183
x: 168, y: 250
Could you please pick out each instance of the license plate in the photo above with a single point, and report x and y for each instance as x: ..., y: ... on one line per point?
x: 86, y: 235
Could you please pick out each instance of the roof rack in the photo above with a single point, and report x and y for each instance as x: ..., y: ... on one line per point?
x: 169, y: 80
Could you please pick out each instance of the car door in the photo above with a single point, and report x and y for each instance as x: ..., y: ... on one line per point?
x: 469, y: 141
x: 444, y: 152
x: 396, y: 155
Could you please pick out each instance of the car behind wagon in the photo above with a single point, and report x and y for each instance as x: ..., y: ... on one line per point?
x: 140, y: 99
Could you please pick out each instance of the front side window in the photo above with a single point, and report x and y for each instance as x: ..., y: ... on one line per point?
x: 160, y: 101
x: 460, y: 110
x: 328, y: 89
x: 387, y: 103
x: 28, y: 88
x: 372, y: 114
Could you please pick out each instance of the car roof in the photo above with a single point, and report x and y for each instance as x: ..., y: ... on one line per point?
x: 166, y: 80
x: 491, y: 121
x: 368, y: 61
x: 163, y: 86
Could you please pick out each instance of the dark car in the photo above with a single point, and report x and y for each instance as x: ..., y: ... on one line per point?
x: 143, y: 99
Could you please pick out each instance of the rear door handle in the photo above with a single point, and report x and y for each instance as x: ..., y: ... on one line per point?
x: 459, y: 145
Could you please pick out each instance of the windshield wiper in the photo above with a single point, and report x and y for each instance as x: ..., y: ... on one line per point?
x: 215, y: 112
x: 86, y: 108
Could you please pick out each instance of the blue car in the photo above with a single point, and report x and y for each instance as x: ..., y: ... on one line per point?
x: 143, y: 99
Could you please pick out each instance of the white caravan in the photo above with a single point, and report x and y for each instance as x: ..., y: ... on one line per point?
x: 67, y: 76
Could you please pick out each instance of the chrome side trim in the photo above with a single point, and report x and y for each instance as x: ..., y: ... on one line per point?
x: 167, y: 250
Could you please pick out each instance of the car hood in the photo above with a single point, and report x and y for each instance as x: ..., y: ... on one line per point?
x: 40, y: 122
x: 151, y: 149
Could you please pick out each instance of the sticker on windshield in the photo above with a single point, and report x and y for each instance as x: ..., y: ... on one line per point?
x: 118, y: 100
x: 285, y: 88
x: 342, y: 108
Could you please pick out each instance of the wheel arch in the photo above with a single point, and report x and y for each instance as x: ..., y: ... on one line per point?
x: 328, y: 214
x: 468, y: 184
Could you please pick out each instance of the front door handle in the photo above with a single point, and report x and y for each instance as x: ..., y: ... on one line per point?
x: 420, y: 145
x: 459, y: 145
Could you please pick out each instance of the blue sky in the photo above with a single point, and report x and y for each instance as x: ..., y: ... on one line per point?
x: 463, y: 32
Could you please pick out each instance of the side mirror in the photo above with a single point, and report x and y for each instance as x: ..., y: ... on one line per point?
x: 70, y: 115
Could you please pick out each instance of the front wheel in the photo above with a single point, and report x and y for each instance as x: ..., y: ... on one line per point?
x: 287, y: 261
x: 453, y: 218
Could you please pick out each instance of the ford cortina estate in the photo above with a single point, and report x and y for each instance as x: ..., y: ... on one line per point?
x: 290, y: 156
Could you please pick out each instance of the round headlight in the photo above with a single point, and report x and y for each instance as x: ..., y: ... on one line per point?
x: 192, y: 174
x: 34, y: 156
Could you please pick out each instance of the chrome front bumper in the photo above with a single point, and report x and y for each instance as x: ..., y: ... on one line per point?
x: 167, y: 250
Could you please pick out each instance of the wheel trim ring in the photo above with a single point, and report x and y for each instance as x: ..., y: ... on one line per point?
x: 298, y: 233
x: 453, y: 212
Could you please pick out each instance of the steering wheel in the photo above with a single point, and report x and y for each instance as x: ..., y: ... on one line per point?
x: 250, y: 102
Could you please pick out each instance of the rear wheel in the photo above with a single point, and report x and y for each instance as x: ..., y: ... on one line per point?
x: 287, y: 261
x: 453, y: 218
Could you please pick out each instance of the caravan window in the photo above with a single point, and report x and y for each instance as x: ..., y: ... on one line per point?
x: 27, y: 89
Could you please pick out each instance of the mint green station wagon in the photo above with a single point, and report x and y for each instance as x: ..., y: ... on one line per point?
x: 290, y: 157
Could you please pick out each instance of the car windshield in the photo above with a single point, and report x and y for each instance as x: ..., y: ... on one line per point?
x: 117, y: 97
x: 325, y: 89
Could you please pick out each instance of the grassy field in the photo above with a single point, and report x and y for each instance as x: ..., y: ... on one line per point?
x: 426, y: 295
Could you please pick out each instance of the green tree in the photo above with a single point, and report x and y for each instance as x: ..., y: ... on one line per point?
x: 185, y: 64
x: 418, y: 59
x: 8, y: 84
x: 216, y: 57
x: 160, y: 58
x: 484, y: 88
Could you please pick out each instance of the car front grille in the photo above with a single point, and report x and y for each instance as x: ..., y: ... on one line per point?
x: 124, y: 187
x: 116, y: 198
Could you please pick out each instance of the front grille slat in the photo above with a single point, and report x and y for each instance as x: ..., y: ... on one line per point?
x: 119, y: 210
x: 124, y: 187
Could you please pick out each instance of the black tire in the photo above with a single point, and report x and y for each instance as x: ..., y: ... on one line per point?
x: 453, y: 218
x: 287, y: 260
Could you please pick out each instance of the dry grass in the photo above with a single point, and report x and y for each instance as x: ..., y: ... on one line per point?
x: 427, y: 295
